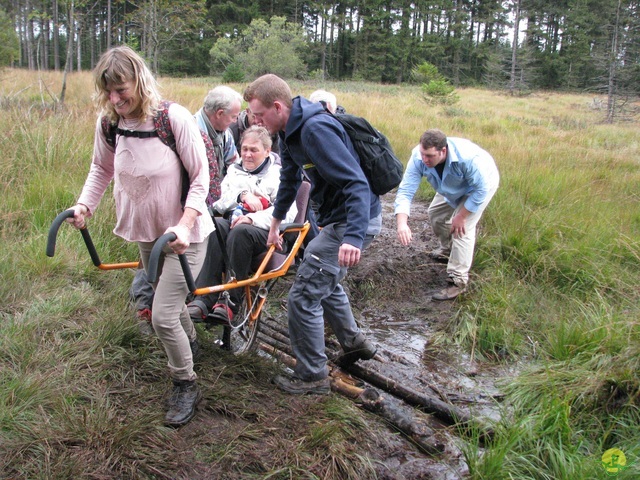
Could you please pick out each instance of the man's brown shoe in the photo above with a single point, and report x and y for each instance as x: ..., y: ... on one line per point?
x: 362, y: 349
x: 297, y: 386
x: 449, y: 293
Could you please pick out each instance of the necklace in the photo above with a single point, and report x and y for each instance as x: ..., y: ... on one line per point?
x: 130, y: 123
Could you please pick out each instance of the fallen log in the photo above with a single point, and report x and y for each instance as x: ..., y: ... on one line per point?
x: 400, y: 417
x: 275, y: 344
x: 266, y: 330
x: 403, y: 419
x: 442, y: 410
x: 275, y: 326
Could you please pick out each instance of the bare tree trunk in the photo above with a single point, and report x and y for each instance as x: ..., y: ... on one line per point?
x: 46, y: 33
x: 93, y: 34
x: 154, y: 46
x: 332, y: 46
x: 357, y: 47
x: 68, y: 63
x: 28, y: 23
x: 323, y: 40
x: 108, y: 24
x: 78, y: 31
x: 514, y: 48
x: 613, y: 64
x: 56, y: 36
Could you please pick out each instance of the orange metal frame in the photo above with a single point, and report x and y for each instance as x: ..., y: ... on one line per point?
x: 258, y: 277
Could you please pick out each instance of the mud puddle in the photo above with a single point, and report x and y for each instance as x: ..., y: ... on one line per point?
x: 390, y: 292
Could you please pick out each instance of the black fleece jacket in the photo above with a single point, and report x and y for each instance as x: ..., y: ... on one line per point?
x: 315, y: 143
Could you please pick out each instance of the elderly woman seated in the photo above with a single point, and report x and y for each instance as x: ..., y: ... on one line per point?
x: 246, y: 203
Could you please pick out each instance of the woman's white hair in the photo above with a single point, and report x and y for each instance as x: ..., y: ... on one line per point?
x: 326, y: 97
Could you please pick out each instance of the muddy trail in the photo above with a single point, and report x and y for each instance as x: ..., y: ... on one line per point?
x: 419, y: 388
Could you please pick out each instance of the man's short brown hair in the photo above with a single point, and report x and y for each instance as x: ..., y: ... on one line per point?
x: 268, y: 89
x: 433, y: 138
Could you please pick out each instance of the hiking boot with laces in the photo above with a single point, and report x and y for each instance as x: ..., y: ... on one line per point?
x: 221, y: 314
x: 450, y: 293
x: 182, y: 404
x: 297, y: 386
x: 362, y: 349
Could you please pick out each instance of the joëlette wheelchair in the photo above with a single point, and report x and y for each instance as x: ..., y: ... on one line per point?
x: 239, y: 335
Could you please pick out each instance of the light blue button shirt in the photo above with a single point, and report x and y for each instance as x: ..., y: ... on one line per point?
x: 468, y: 171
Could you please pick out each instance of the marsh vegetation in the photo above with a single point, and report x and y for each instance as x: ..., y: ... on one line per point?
x: 555, y: 293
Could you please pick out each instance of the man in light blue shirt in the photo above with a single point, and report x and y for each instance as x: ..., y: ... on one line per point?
x: 465, y: 177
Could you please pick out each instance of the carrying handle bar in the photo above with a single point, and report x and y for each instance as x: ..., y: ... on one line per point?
x: 53, y: 233
x: 154, y: 261
x: 95, y: 258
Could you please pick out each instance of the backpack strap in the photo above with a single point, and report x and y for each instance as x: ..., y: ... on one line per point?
x: 160, y: 122
x: 163, y: 131
x: 136, y: 134
x: 163, y: 125
x: 109, y: 130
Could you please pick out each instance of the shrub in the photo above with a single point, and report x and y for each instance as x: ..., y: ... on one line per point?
x: 439, y: 91
x: 233, y: 73
x: 425, y: 72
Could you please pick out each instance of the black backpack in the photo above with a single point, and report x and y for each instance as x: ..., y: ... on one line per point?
x: 165, y: 134
x: 377, y: 160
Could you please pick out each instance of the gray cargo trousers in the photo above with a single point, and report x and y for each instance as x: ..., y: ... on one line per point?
x: 317, y: 295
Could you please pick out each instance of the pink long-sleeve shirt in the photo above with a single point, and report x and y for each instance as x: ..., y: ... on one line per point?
x: 147, y: 179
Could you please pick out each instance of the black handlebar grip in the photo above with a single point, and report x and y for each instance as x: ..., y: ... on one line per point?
x: 53, y: 234
x: 92, y: 249
x: 186, y: 270
x: 53, y: 231
x: 154, y: 257
x: 154, y: 260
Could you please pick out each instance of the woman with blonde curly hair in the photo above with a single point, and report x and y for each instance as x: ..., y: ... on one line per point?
x: 147, y: 178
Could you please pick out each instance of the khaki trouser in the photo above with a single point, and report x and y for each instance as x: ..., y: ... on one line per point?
x: 461, y: 256
x: 170, y: 318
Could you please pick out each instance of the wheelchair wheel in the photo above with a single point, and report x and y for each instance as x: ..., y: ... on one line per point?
x: 241, y: 336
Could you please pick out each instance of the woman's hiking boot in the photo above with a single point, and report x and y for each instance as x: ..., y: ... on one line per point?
x: 221, y: 314
x: 182, y: 404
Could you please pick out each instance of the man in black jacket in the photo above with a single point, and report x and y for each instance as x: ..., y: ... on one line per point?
x: 316, y: 146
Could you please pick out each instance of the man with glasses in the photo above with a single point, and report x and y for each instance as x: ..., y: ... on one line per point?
x: 464, y: 177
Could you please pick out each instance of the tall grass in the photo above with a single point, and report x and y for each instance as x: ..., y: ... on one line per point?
x: 554, y: 290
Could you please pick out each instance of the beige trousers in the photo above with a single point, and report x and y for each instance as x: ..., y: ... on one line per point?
x: 170, y: 318
x: 461, y: 256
